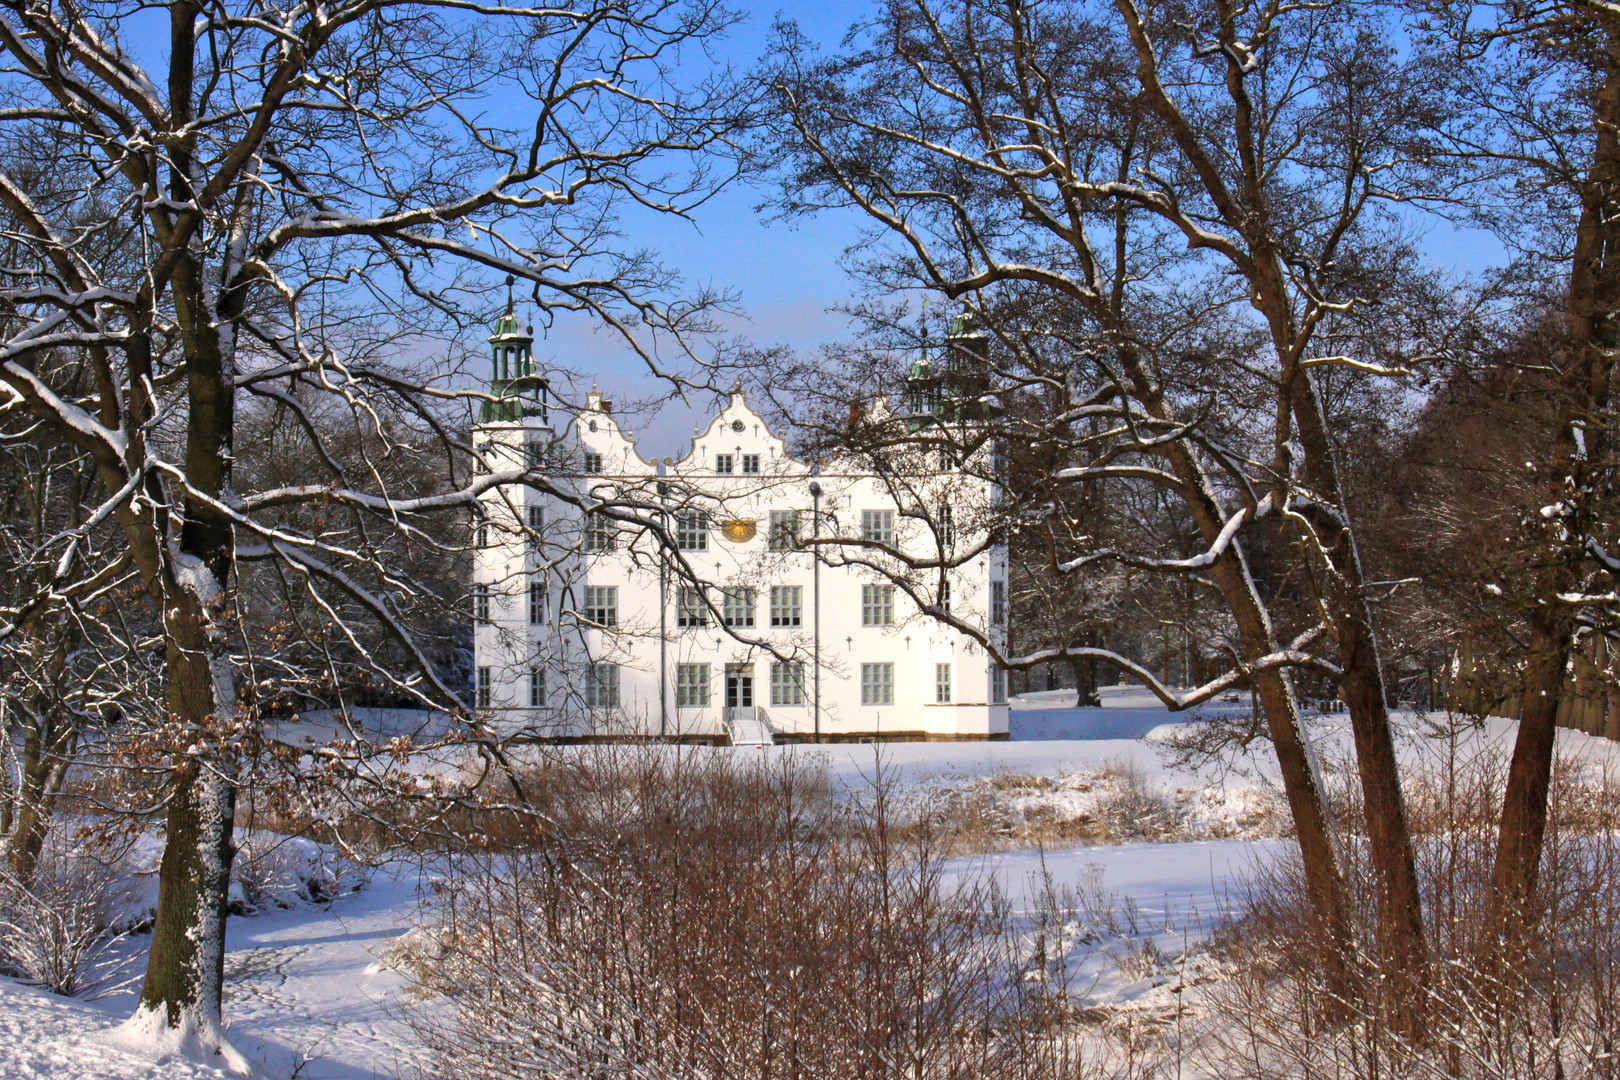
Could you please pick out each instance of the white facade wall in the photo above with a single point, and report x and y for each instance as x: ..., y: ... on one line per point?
x: 917, y: 658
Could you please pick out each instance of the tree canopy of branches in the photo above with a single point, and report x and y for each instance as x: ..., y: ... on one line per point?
x: 282, y: 218
x: 1537, y: 88
x: 1176, y: 224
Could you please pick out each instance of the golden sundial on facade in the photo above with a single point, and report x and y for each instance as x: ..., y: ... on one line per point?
x: 738, y: 532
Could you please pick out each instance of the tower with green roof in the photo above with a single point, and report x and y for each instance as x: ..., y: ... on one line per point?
x: 519, y: 391
x: 951, y: 385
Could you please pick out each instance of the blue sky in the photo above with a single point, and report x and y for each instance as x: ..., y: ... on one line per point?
x: 787, y: 278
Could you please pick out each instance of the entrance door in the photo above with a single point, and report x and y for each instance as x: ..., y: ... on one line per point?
x: 739, y: 689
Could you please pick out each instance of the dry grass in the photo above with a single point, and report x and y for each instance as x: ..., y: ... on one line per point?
x: 1115, y: 804
x: 1545, y: 1005
x: 1014, y: 811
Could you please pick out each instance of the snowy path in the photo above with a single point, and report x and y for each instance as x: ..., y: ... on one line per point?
x: 302, y: 984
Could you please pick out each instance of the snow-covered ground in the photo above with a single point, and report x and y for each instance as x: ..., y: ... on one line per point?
x: 305, y: 990
x: 301, y: 987
x: 306, y: 996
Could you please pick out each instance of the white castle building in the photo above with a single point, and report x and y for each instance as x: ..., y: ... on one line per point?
x: 784, y: 601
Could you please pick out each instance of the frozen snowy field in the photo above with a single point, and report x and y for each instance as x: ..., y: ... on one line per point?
x: 306, y: 997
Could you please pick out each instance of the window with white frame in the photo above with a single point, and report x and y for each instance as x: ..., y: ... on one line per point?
x: 692, y: 530
x: 692, y: 686
x: 537, y: 527
x: 482, y: 688
x: 537, y: 601
x: 998, y: 686
x: 723, y: 464
x: 945, y: 596
x: 534, y: 453
x: 481, y: 534
x: 783, y: 534
x: 750, y: 464
x: 998, y: 603
x: 602, y: 686
x: 947, y: 527
x: 787, y: 682
x: 537, y: 688
x: 877, y: 605
x: 877, y: 526
x: 689, y: 607
x: 737, y: 605
x: 602, y: 605
x: 942, y: 684
x: 481, y: 603
x: 593, y: 461
x: 787, y: 605
x: 601, y: 532
x: 877, y: 684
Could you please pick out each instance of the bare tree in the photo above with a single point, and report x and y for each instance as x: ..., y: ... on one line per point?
x: 306, y: 199
x: 1129, y: 168
x: 1538, y: 87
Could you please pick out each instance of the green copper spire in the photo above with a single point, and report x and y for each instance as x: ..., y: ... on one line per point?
x: 512, y: 379
x: 952, y: 388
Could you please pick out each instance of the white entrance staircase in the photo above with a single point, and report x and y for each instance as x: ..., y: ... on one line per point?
x: 748, y: 726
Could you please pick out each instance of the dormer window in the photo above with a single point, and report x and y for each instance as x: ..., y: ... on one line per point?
x: 750, y: 464
x: 593, y: 461
x: 723, y: 464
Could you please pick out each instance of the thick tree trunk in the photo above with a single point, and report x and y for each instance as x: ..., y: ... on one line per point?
x: 1577, y: 450
x: 28, y: 839
x: 1302, y: 786
x: 1524, y: 802
x: 1084, y: 670
x: 40, y: 782
x: 50, y: 737
x: 186, y: 967
x: 180, y: 1003
x: 1389, y: 835
x: 1244, y: 208
x: 1313, y: 827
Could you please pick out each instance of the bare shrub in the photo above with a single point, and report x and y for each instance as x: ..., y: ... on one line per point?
x: 1544, y: 1005
x: 720, y: 916
x: 57, y: 928
x: 274, y: 870
x: 1133, y: 807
